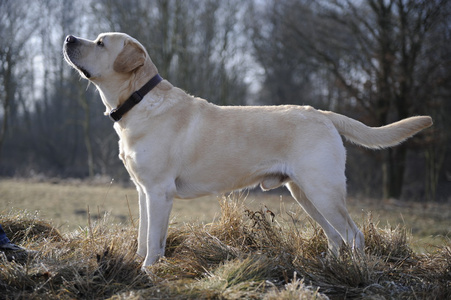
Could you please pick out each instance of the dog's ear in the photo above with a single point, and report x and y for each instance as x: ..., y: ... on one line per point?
x: 130, y: 58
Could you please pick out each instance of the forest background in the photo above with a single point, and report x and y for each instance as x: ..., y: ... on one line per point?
x: 377, y: 61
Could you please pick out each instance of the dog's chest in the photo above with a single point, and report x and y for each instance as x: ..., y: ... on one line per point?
x: 127, y: 145
x: 143, y: 150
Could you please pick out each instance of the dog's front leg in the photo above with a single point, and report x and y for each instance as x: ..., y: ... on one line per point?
x: 143, y: 215
x: 159, y: 205
x: 143, y: 223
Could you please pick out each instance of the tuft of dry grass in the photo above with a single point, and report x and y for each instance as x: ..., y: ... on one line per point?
x: 23, y: 226
x: 389, y: 242
x: 245, y: 253
x: 295, y: 290
x: 92, y: 263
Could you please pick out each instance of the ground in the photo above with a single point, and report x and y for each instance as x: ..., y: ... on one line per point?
x: 258, y: 246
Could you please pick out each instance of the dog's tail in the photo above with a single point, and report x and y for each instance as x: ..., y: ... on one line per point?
x: 378, y: 137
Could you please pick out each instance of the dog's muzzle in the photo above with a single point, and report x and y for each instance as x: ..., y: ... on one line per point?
x: 72, y: 53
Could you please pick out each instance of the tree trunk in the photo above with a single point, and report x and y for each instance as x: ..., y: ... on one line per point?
x: 393, y: 172
x: 9, y: 94
x: 86, y: 123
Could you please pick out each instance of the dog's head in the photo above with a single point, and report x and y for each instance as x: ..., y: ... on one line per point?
x: 112, y: 57
x: 115, y: 62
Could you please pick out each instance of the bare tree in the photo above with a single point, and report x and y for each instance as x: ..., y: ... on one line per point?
x: 288, y: 73
x: 435, y: 92
x: 193, y: 43
x: 14, y: 34
x: 372, y: 50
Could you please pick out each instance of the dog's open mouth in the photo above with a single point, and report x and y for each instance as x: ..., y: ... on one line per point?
x: 68, y: 53
x: 86, y: 73
x: 82, y: 70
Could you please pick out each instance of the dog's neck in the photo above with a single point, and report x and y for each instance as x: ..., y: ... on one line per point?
x: 114, y: 96
x: 117, y: 113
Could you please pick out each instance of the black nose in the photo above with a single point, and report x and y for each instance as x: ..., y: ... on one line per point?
x: 71, y: 39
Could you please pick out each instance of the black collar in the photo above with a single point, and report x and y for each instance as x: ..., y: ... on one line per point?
x: 117, y: 113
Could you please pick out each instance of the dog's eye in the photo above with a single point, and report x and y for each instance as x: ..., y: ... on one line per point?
x: 100, y: 43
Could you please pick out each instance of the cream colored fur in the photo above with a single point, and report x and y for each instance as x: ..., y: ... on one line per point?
x: 177, y: 146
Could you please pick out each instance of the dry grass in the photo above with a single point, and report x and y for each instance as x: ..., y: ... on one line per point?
x: 245, y: 253
x: 65, y: 204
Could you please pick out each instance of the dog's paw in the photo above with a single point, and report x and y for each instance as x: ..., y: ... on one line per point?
x: 147, y: 270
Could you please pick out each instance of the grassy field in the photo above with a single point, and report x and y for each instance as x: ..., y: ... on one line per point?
x: 218, y: 248
x: 65, y: 204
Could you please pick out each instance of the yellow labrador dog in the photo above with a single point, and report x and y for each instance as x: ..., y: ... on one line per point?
x: 177, y: 146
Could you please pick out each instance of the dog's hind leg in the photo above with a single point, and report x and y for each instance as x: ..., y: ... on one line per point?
x: 333, y: 237
x: 328, y: 198
x: 320, y: 175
